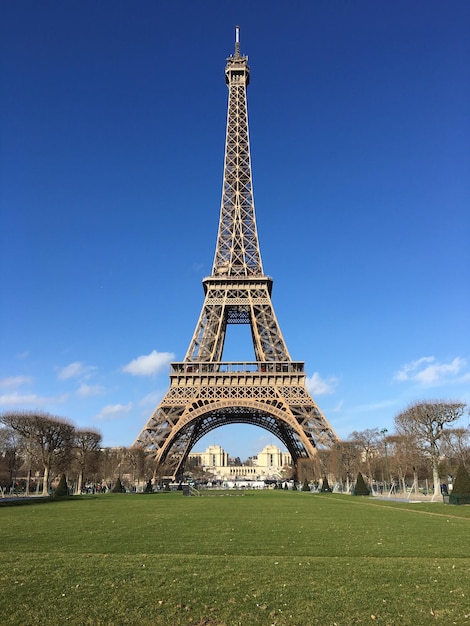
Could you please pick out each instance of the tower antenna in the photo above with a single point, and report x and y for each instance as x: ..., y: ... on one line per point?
x: 237, y: 41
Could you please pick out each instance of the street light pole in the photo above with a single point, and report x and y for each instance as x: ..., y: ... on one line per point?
x: 384, y: 431
x: 340, y: 481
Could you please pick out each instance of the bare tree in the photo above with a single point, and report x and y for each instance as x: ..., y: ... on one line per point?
x: 136, y: 464
x: 350, y: 456
x: 455, y: 447
x: 367, y: 441
x: 404, y: 459
x: 324, y: 463
x: 111, y: 461
x: 457, y: 442
x: 87, y: 448
x: 12, y: 456
x: 307, y: 469
x: 50, y: 435
x: 424, y: 424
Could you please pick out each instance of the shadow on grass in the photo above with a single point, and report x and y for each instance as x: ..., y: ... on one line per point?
x: 24, y: 501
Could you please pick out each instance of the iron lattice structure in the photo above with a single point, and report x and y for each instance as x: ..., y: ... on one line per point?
x: 206, y: 392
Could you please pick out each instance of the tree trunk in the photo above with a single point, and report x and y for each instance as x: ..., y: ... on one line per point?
x: 78, y: 490
x: 435, y: 477
x: 369, y: 471
x: 45, y: 481
x: 28, y: 481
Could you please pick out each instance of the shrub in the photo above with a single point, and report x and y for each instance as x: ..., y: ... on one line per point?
x: 62, y: 488
x: 325, y: 486
x: 361, y: 489
x: 462, y: 482
x: 117, y: 486
x: 148, y: 487
x: 461, y: 489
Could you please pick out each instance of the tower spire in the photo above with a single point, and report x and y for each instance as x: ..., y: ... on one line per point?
x: 237, y: 251
x: 237, y: 41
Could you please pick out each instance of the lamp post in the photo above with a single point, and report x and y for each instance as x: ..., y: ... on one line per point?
x: 384, y: 431
x: 340, y: 481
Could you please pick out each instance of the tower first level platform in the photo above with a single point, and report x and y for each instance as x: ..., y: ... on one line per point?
x: 205, y: 395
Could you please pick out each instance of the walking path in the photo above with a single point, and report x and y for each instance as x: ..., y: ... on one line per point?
x: 410, y: 497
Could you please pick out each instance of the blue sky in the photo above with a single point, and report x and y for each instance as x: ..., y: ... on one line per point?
x: 112, y: 139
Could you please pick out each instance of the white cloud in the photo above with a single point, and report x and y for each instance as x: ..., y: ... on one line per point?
x: 113, y: 411
x: 149, y: 364
x: 407, y: 371
x: 75, y: 370
x: 438, y: 371
x: 88, y: 391
x: 31, y: 399
x: 319, y: 386
x: 427, y: 371
x: 15, y: 381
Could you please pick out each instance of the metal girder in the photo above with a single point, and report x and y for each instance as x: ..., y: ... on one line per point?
x: 237, y: 251
x: 206, y: 392
x: 242, y: 301
x: 205, y: 395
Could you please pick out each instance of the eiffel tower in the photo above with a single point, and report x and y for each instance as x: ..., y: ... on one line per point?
x: 205, y: 391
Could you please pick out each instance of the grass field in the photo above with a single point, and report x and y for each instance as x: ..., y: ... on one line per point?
x: 269, y: 557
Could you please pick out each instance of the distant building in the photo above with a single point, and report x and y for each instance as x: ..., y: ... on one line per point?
x: 268, y: 464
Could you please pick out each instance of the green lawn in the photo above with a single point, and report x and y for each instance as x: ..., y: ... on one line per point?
x: 263, y: 558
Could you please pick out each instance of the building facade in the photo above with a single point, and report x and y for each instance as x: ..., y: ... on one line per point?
x: 269, y: 464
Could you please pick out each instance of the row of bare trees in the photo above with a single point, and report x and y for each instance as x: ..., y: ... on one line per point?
x: 429, y: 443
x: 35, y: 443
x: 36, y: 448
